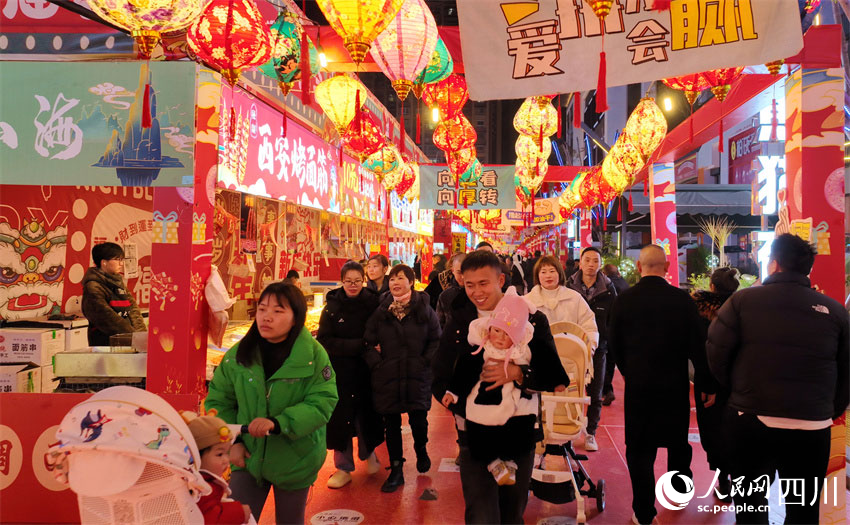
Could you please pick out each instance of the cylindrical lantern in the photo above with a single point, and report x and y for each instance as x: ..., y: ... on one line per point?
x: 404, y: 48
x: 536, y: 118
x: 439, y: 67
x: 147, y: 20
x: 621, y: 165
x: 358, y: 22
x: 383, y: 161
x: 285, y: 64
x: 448, y: 95
x: 459, y: 160
x: 454, y: 134
x: 646, y: 127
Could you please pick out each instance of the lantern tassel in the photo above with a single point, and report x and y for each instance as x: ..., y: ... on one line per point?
x: 604, y: 218
x: 661, y: 5
x: 305, y: 68
x: 559, y: 116
x: 774, y: 122
x: 284, y: 121
x: 646, y: 187
x: 631, y: 205
x: 418, y: 127
x: 691, y: 121
x: 401, y: 131
x: 601, y: 89
x: 577, y: 109
x: 146, y: 108
x: 720, y: 146
x: 232, y: 122
x: 620, y: 210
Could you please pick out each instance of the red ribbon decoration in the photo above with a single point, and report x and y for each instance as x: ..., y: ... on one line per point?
x: 306, y: 99
x: 577, y: 109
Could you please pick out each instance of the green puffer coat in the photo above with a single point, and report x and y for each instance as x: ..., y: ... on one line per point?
x: 301, y: 395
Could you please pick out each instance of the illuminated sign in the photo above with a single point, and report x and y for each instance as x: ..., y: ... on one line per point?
x: 766, y: 117
x: 769, y: 180
x: 763, y: 253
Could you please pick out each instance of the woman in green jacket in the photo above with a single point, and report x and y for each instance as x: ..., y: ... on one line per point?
x: 278, y: 380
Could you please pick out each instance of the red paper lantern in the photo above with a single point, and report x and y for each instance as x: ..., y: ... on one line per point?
x: 455, y: 134
x: 590, y: 190
x: 231, y: 35
x: 720, y: 80
x: 363, y: 135
x: 447, y: 95
x: 690, y: 84
x: 459, y: 160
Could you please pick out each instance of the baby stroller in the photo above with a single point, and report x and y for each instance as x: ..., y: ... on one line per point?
x: 563, y: 419
x: 131, y: 459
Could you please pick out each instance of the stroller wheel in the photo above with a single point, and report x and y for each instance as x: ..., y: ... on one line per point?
x: 600, y: 495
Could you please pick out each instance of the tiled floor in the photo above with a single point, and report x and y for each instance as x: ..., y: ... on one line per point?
x: 362, y: 501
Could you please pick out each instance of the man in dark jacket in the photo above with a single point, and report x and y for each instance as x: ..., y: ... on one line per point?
x: 453, y: 287
x: 599, y: 293
x: 529, y: 270
x: 487, y: 502
x: 612, y: 272
x: 652, y: 331
x: 782, y: 348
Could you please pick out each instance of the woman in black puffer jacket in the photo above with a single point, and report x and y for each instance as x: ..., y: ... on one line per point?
x: 341, y: 330
x: 724, y: 282
x: 402, y: 337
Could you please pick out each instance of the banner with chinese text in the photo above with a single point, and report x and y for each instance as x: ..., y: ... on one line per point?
x: 518, y: 49
x: 493, y: 191
x: 262, y: 158
x: 546, y: 212
x: 361, y: 194
x: 81, y: 123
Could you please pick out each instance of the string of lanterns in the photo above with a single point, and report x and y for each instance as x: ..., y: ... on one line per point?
x: 535, y: 121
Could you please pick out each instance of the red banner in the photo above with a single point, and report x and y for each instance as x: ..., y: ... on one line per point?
x: 662, y: 199
x: 261, y: 155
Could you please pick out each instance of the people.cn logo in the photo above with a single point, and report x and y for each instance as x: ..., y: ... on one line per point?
x: 669, y: 497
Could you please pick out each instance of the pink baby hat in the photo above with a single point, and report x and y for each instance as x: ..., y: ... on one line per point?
x: 511, y: 315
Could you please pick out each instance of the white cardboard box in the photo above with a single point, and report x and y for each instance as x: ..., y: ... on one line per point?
x: 20, y: 378
x: 48, y: 385
x: 30, y: 345
x: 76, y: 338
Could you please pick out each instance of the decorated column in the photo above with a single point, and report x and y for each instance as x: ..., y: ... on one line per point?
x: 662, y: 208
x: 814, y: 152
x: 585, y: 230
x: 180, y: 262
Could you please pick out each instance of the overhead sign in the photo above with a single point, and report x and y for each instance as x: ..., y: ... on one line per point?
x: 493, y: 191
x: 81, y: 123
x: 262, y: 157
x: 546, y: 212
x: 518, y: 49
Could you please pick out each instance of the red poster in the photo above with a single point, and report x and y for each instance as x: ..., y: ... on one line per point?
x: 662, y: 199
x: 744, y: 149
x: 260, y: 155
x: 46, y: 237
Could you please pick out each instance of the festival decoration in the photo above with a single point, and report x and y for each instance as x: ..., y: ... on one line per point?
x: 646, y: 127
x: 230, y: 36
x: 439, y: 67
x: 359, y: 22
x: 459, y: 160
x: 621, y: 165
x: 385, y: 160
x: 408, y: 177
x: 720, y: 81
x: 530, y: 153
x: 147, y: 20
x: 363, y: 135
x: 571, y: 199
x: 286, y: 35
x: 473, y: 172
x: 601, y: 8
x: 199, y: 228
x: 775, y: 67
x: 404, y: 48
x: 165, y: 227
x: 691, y: 85
x: 535, y: 121
x: 590, y: 190
x: 341, y: 97
x: 536, y: 118
x: 448, y: 95
x: 455, y: 134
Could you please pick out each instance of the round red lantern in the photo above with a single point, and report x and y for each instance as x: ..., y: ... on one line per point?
x: 363, y: 135
x: 455, y: 134
x: 448, y: 95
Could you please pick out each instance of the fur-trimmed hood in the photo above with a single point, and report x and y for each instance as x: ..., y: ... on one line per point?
x: 708, y: 303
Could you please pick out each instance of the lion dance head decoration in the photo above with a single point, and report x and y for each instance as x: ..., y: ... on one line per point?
x: 32, y: 269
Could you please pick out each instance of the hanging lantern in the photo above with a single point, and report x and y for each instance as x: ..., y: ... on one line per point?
x: 393, y: 178
x: 775, y: 67
x: 363, y: 135
x: 408, y: 176
x: 339, y: 97
x: 454, y: 134
x: 571, y: 197
x: 459, y: 160
x: 601, y: 8
x: 473, y: 172
x: 590, y: 190
x: 691, y: 85
x: 147, y: 20
x: 413, y: 193
x: 231, y: 36
x: 448, y: 95
x: 720, y: 80
x: 621, y: 165
x: 646, y: 127
x: 605, y: 191
x: 383, y: 161
x: 404, y: 48
x: 358, y: 22
x: 439, y: 68
x: 285, y: 64
x: 530, y: 153
x: 536, y: 118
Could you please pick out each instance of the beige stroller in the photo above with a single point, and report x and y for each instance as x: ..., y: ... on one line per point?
x: 563, y: 418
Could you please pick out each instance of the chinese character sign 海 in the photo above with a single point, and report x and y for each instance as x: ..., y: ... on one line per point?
x: 518, y: 49
x: 86, y: 123
x: 441, y: 191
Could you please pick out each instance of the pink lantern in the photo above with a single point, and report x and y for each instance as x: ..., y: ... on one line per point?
x: 405, y: 47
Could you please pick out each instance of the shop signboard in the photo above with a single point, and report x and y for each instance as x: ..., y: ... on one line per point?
x: 546, y: 213
x: 362, y: 195
x: 686, y: 169
x: 744, y: 149
x: 404, y: 212
x: 260, y: 155
x: 84, y: 123
x: 519, y: 49
x: 494, y: 190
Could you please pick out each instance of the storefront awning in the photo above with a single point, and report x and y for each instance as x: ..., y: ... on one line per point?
x: 702, y: 199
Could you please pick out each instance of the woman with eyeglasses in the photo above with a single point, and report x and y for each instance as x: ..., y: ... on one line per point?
x: 107, y: 303
x: 341, y: 329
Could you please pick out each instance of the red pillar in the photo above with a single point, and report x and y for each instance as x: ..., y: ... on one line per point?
x: 177, y: 337
x: 662, y: 206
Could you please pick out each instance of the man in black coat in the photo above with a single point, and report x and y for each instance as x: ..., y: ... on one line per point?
x: 652, y: 331
x: 782, y: 348
x: 455, y: 286
x: 487, y: 502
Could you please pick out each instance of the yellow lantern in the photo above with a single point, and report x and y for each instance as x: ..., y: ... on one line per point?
x: 646, y: 127
x: 621, y: 165
x: 530, y: 153
x: 536, y: 118
x: 359, y: 22
x: 147, y: 19
x: 340, y: 98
